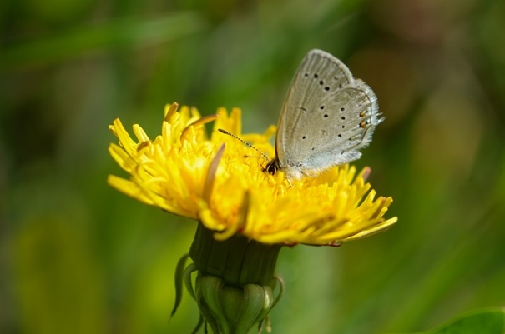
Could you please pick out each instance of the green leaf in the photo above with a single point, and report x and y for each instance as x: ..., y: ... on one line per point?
x: 483, y: 321
x: 133, y: 31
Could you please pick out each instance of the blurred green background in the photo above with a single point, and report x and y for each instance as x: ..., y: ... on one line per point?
x: 76, y: 256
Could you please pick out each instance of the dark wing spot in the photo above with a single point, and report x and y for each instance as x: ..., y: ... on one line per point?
x: 322, y: 107
x: 325, y: 115
x: 343, y: 126
x: 339, y: 135
x: 326, y: 88
x: 321, y: 82
x: 304, y: 137
x: 316, y: 76
x: 342, y: 109
x: 303, y: 108
x: 343, y: 118
x: 306, y: 74
x: 313, y: 148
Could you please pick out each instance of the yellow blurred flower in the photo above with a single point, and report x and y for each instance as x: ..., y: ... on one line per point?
x: 219, y: 181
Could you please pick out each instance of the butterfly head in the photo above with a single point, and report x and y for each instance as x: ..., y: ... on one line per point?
x: 272, y: 166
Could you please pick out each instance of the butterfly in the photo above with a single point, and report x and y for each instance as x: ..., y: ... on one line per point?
x: 327, y: 117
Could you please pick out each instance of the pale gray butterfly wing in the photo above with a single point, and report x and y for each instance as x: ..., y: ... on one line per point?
x: 326, y: 118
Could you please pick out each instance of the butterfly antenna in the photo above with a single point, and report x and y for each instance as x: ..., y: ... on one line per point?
x: 244, y: 142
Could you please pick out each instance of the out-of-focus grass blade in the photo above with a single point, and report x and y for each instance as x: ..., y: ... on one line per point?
x: 484, y: 321
x: 118, y: 32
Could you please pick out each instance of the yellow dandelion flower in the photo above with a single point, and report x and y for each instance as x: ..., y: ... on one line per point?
x: 245, y: 213
x: 184, y: 172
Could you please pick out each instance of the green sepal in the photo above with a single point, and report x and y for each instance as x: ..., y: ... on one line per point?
x: 178, y: 282
x: 208, y: 291
x: 187, y: 279
x: 256, y: 305
x: 198, y: 325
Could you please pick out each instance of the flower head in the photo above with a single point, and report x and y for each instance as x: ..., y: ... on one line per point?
x: 220, y: 182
